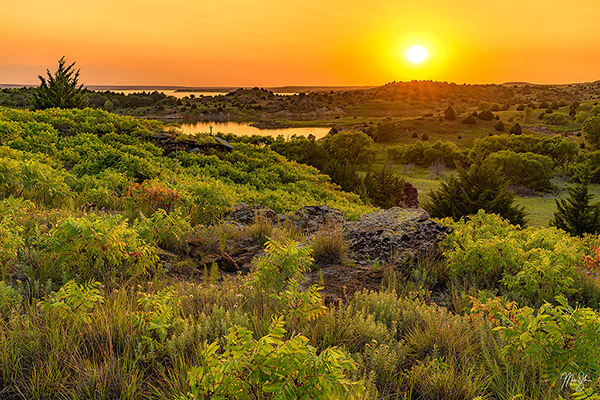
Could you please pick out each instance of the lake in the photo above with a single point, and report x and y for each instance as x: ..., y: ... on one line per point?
x: 181, y: 95
x: 244, y: 129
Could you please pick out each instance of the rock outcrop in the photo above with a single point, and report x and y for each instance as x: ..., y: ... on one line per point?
x: 395, y: 236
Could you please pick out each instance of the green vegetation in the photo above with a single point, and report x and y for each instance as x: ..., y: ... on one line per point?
x: 105, y: 290
x: 60, y: 90
x: 481, y: 187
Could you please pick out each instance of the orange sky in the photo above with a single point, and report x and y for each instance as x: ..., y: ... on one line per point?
x: 308, y: 42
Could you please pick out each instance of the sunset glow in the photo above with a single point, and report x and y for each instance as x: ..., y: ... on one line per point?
x: 270, y: 43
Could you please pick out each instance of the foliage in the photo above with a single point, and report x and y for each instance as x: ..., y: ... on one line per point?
x: 159, y: 315
x: 481, y: 187
x: 524, y: 169
x: 10, y: 299
x: 499, y: 126
x: 282, y: 263
x: 425, y: 154
x: 516, y: 129
x: 449, y: 114
x: 561, y: 150
x: 469, y: 120
x: 560, y: 338
x: 272, y: 368
x: 532, y: 264
x: 73, y: 302
x: 60, y: 90
x: 591, y: 132
x: 149, y: 197
x: 94, y: 247
x: 574, y: 214
x: 384, y: 187
x: 166, y: 230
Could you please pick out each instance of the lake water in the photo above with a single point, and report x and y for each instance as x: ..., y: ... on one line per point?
x: 181, y: 95
x: 244, y: 129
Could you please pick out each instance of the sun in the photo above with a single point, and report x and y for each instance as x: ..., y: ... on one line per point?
x: 417, y: 54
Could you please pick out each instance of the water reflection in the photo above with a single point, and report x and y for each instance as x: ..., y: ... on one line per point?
x: 243, y: 129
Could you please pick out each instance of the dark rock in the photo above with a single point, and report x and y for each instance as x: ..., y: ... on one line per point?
x: 245, y: 214
x: 312, y: 218
x: 409, y: 197
x: 392, y: 236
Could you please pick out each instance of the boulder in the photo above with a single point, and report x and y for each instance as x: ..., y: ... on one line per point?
x: 245, y: 214
x: 312, y: 218
x: 396, y: 235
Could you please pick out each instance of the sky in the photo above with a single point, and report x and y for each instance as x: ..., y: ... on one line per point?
x: 309, y: 42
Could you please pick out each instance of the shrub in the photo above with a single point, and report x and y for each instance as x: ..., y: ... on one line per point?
x: 10, y: 299
x: 449, y: 114
x: 166, y: 230
x: 272, y: 368
x: 531, y: 170
x: 499, y: 126
x: 74, y: 303
x: 486, y: 115
x: 534, y: 264
x: 560, y: 338
x: 150, y: 196
x: 516, y: 129
x: 93, y: 247
x: 481, y: 187
x: 469, y: 120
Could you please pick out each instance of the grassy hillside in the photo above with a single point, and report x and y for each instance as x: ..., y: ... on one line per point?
x: 105, y: 293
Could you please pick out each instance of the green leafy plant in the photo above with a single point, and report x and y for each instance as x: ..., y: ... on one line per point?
x: 167, y: 230
x: 481, y: 187
x: 160, y: 315
x: 94, y: 247
x: 73, y: 302
x: 534, y: 264
x: 561, y: 338
x: 271, y: 368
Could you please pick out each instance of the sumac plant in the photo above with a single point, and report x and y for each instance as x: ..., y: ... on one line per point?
x: 149, y: 196
x: 95, y: 247
x: 271, y: 368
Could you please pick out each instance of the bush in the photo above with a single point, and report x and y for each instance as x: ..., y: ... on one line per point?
x: 272, y: 368
x: 469, y: 120
x: 531, y: 170
x: 516, y: 129
x: 150, y: 196
x: 94, y: 247
x: 166, y: 230
x: 533, y: 265
x: 449, y: 114
x: 559, y: 338
x: 481, y: 187
x: 486, y: 115
x: 499, y: 126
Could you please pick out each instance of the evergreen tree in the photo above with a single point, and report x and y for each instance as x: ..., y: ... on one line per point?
x: 516, y: 129
x: 575, y: 215
x: 60, y: 90
x: 479, y: 187
x: 384, y: 187
x: 449, y: 114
